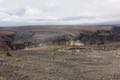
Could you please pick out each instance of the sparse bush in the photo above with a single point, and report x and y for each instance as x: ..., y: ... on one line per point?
x: 2, y: 78
x: 7, y: 52
x: 18, y: 59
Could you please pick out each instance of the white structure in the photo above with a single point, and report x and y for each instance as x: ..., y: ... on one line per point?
x: 40, y: 44
x: 26, y: 48
x: 76, y: 43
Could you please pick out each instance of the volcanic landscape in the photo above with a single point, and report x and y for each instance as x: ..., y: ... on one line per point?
x: 60, y: 52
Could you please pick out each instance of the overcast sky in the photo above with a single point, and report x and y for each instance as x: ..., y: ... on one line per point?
x: 54, y: 10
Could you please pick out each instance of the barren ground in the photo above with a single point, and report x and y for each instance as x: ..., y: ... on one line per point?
x: 84, y: 64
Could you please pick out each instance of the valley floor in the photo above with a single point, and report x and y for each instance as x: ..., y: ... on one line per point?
x: 61, y: 64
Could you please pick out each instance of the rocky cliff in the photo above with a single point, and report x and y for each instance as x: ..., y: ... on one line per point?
x: 35, y: 38
x: 100, y: 36
x: 6, y: 39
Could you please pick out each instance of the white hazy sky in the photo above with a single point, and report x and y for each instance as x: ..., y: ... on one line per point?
x: 34, y: 10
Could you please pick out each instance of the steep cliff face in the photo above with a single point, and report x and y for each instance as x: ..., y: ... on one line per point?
x: 6, y: 38
x: 37, y: 39
x: 100, y: 36
x: 22, y: 39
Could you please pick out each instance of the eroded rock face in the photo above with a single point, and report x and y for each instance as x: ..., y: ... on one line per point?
x: 6, y: 38
x: 41, y: 41
x: 99, y: 37
x: 30, y: 39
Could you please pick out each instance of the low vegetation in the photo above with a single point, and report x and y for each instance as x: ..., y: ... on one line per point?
x: 2, y: 78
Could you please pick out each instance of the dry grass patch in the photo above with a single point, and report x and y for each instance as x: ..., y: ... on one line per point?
x: 46, y: 48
